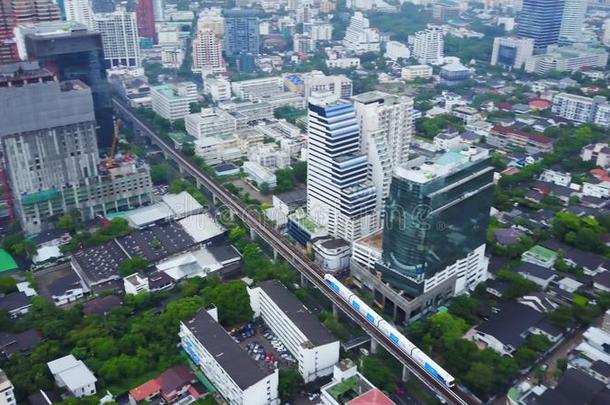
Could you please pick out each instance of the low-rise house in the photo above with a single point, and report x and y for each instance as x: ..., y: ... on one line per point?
x: 598, y: 153
x: 174, y: 384
x: 600, y: 370
x: 540, y: 255
x: 507, y: 329
x: 22, y: 342
x: 575, y: 387
x: 16, y: 304
x: 538, y: 301
x: 569, y: 285
x: 573, y: 257
x: 541, y: 276
x: 135, y: 283
x: 601, y: 281
x: 66, y: 289
x: 508, y: 236
x: 594, y: 345
x: 556, y: 177
x: 73, y: 375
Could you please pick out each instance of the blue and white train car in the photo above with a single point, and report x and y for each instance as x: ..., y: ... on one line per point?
x: 397, y: 338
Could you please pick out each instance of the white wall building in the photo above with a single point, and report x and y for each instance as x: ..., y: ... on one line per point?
x: 413, y: 72
x: 260, y: 174
x: 233, y: 372
x: 582, y: 109
x: 79, y: 11
x: 303, y: 43
x: 339, y: 196
x: 172, y: 101
x: 317, y: 82
x: 135, y: 284
x: 119, y: 37
x: 512, y: 52
x: 314, y: 347
x: 256, y: 89
x: 428, y: 45
x: 360, y: 37
x: 210, y: 122
x: 573, y: 20
x: 395, y: 50
x: 318, y: 31
x: 336, y: 62
x: 217, y: 88
x: 599, y: 153
x: 564, y: 59
x: 332, y: 255
x: 268, y: 155
x: 74, y: 375
x: 386, y: 129
x: 7, y: 395
x: 556, y: 177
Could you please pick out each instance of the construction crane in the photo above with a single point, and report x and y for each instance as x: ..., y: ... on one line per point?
x: 115, y: 140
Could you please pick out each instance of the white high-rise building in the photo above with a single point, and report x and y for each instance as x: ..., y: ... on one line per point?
x: 606, y: 33
x: 119, y: 37
x: 573, y: 20
x: 428, y: 45
x: 7, y: 396
x: 360, y: 37
x: 582, y: 109
x: 207, y: 52
x: 159, y: 10
x: 79, y: 11
x: 386, y: 128
x: 339, y: 195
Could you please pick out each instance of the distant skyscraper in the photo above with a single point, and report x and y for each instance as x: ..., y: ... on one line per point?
x: 339, y: 196
x: 102, y: 6
x: 435, y: 224
x: 49, y: 149
x: 79, y: 11
x: 541, y: 21
x: 428, y: 45
x: 72, y: 52
x: 386, y: 128
x: 207, y: 45
x: 241, y: 32
x: 120, y: 38
x: 14, y: 12
x: 145, y: 16
x: 158, y: 8
x: 573, y: 20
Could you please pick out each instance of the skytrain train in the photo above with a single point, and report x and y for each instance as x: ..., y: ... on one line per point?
x: 397, y: 338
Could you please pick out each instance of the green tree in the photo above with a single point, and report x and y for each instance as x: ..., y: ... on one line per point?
x: 290, y: 380
x: 480, y: 377
x: 136, y: 264
x: 67, y: 222
x: 232, y: 301
x: 285, y: 180
x: 299, y: 169
x: 8, y: 285
x: 162, y: 173
x: 465, y: 307
x: 378, y: 373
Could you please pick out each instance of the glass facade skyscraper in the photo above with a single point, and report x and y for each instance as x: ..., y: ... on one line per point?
x: 436, y: 214
x: 72, y: 52
x: 541, y: 21
x: 241, y: 32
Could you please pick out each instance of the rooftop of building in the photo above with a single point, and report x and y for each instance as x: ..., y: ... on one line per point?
x: 424, y: 169
x: 511, y: 322
x: 54, y: 28
x: 350, y: 388
x: 235, y: 361
x: 294, y: 309
x: 373, y: 240
x: 376, y: 96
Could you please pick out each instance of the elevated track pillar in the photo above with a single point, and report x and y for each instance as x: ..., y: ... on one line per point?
x: 374, y: 346
x: 406, y: 374
x: 335, y: 311
x: 304, y: 281
x: 252, y: 233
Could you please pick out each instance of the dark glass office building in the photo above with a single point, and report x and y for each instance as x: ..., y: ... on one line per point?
x: 71, y: 52
x: 241, y: 32
x: 436, y: 213
x: 541, y: 21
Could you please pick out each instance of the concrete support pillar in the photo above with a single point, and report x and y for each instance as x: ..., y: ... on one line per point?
x: 214, y: 199
x: 180, y: 168
x: 374, y: 346
x: 406, y: 374
x: 335, y: 311
x: 304, y: 281
x: 252, y: 234
x: 231, y: 215
x: 275, y: 254
x: 199, y: 185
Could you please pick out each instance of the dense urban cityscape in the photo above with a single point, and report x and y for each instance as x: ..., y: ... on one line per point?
x: 307, y: 202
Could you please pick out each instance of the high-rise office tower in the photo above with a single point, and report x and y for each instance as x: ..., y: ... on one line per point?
x: 50, y: 153
x: 339, y: 195
x: 241, y: 32
x: 79, y: 11
x: 207, y: 45
x: 14, y: 12
x: 145, y: 16
x: 541, y: 21
x: 435, y: 223
x: 572, y: 22
x: 386, y: 128
x: 428, y: 45
x: 119, y: 37
x: 72, y: 52
x: 103, y: 6
x: 159, y: 10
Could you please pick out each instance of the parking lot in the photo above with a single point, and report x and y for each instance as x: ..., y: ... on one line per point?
x: 263, y: 346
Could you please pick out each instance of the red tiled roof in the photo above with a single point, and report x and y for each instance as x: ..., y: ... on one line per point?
x: 145, y: 390
x: 540, y: 103
x: 516, y: 132
x: 372, y: 397
x: 175, y: 378
x: 601, y: 174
